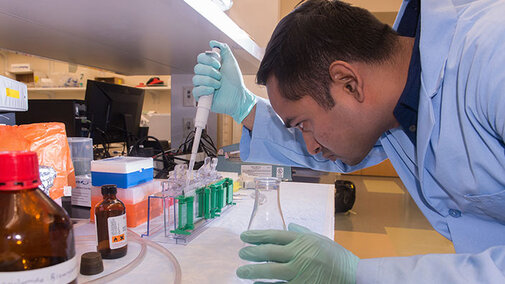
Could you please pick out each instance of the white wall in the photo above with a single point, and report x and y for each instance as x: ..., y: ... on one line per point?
x: 256, y: 17
x: 180, y: 112
x: 377, y: 6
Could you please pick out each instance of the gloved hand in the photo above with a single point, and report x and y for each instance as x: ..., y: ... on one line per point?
x: 297, y: 256
x: 224, y: 79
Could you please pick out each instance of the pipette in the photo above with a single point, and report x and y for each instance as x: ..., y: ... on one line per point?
x: 202, y: 115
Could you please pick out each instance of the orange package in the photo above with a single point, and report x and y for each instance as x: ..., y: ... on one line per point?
x: 49, y: 141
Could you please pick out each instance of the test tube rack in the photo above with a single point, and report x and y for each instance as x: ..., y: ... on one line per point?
x: 191, y: 211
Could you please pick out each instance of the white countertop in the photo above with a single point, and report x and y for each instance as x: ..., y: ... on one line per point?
x: 212, y: 257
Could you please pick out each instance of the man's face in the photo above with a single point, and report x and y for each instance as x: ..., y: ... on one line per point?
x: 345, y: 132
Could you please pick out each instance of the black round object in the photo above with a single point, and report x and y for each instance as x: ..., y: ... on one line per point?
x: 91, y: 263
x: 109, y: 189
x: 345, y: 195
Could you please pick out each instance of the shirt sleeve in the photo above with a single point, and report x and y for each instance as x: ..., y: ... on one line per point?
x: 483, y: 63
x: 271, y: 142
x: 485, y: 267
x: 492, y: 98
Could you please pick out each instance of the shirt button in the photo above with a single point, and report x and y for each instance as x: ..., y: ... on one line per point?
x: 454, y: 213
x: 412, y: 128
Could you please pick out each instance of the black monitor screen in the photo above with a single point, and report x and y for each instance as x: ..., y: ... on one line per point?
x: 114, y: 111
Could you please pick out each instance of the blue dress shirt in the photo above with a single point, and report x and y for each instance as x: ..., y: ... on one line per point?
x: 455, y: 171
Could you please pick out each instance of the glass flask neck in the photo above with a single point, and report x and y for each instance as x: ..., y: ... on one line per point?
x: 267, y: 212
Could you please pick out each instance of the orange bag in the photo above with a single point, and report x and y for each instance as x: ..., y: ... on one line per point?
x: 49, y: 141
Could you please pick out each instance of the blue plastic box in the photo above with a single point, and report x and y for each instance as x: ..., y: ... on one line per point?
x: 124, y: 172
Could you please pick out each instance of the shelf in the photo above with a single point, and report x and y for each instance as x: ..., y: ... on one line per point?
x: 139, y: 37
x: 62, y: 89
x: 66, y: 89
x: 23, y: 72
x: 81, y: 91
x: 155, y: 88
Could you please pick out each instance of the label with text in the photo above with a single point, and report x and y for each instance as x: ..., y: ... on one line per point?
x: 64, y: 272
x: 117, y: 231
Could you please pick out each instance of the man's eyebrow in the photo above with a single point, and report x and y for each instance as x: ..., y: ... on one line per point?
x: 288, y: 122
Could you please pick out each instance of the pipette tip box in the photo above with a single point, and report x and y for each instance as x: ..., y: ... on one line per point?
x: 124, y: 172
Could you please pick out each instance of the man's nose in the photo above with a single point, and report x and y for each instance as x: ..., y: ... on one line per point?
x: 312, y: 146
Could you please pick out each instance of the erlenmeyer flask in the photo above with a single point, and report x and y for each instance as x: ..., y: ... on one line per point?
x: 267, y: 212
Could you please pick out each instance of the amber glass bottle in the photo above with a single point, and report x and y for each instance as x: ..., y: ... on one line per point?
x: 110, y: 220
x: 36, y: 233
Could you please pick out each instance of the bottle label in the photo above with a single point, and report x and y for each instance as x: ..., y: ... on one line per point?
x: 117, y: 231
x: 64, y: 272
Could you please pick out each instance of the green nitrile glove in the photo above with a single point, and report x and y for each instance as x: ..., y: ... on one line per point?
x: 296, y: 256
x: 224, y: 79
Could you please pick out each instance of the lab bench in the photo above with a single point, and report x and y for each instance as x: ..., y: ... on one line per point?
x: 212, y: 256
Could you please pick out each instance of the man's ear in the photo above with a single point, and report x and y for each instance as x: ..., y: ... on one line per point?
x: 347, y: 79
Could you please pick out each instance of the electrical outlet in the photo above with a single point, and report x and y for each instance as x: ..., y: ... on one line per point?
x: 280, y: 172
x: 187, y: 99
x: 188, y: 125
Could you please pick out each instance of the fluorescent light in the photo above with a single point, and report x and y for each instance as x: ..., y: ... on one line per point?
x: 210, y: 11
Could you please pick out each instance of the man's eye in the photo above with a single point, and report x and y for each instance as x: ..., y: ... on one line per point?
x: 300, y: 126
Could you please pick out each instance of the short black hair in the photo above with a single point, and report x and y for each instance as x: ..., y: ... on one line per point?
x: 315, y: 34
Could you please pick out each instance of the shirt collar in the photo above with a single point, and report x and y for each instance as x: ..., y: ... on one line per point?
x: 406, y: 109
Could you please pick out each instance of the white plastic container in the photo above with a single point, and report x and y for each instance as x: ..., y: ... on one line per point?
x: 134, y: 194
x: 81, y: 150
x: 13, y: 95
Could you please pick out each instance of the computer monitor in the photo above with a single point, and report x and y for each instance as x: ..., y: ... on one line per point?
x: 114, y: 111
x: 70, y: 112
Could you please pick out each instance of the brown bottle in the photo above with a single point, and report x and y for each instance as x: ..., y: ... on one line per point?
x: 110, y: 221
x: 35, y: 232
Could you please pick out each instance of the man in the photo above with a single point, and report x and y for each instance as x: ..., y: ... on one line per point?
x: 351, y: 92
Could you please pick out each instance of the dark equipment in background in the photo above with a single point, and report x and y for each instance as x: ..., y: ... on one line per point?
x: 149, y: 146
x: 70, y: 112
x: 158, y: 150
x: 114, y: 112
x: 345, y: 195
x: 206, y: 144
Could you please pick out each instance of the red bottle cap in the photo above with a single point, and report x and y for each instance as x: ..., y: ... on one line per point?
x: 19, y: 170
